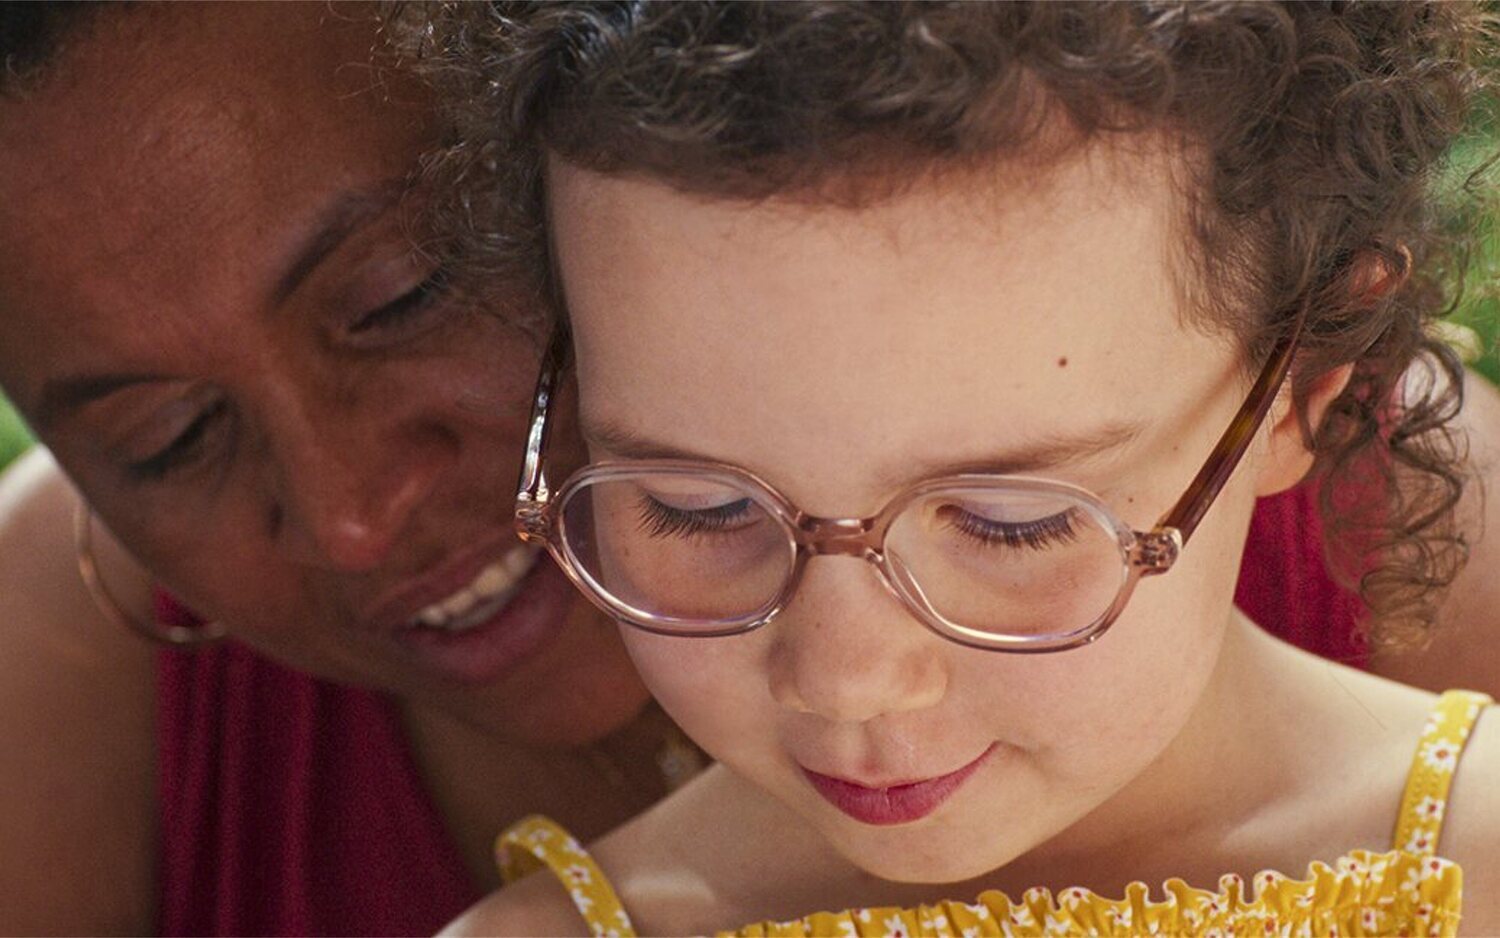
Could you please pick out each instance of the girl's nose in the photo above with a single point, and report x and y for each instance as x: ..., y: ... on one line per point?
x: 849, y: 651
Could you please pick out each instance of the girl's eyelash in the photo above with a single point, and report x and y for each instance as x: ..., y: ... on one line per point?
x: 182, y: 449
x: 1043, y: 532
x: 661, y: 520
x: 413, y: 301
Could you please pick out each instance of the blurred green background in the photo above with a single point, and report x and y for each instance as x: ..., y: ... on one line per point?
x: 13, y: 436
x: 1474, y: 204
x: 1470, y: 203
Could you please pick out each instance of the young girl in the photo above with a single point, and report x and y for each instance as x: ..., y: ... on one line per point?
x: 931, y: 359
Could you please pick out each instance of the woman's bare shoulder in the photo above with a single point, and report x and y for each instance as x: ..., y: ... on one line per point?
x: 77, y: 813
x: 1464, y: 646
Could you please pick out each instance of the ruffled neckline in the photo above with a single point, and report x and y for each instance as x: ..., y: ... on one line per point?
x: 1361, y: 893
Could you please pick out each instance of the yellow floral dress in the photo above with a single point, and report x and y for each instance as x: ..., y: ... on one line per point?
x: 1408, y: 890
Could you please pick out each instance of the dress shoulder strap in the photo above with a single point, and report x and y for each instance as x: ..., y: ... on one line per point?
x: 535, y: 842
x: 1420, y: 823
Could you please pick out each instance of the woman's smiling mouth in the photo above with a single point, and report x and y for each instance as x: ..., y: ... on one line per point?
x: 893, y: 804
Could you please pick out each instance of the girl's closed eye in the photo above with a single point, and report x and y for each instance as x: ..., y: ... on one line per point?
x: 663, y: 520
x: 979, y: 524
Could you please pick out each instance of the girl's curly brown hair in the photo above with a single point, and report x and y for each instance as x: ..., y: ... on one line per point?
x: 1315, y: 131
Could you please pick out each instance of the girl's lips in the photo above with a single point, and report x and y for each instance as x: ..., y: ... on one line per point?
x: 533, y: 617
x: 894, y: 804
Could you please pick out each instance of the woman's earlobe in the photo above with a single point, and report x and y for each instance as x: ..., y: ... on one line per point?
x: 1288, y: 455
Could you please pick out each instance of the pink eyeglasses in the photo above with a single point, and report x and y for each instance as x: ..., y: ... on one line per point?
x: 1005, y: 563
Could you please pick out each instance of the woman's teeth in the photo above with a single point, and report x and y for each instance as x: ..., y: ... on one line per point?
x: 487, y: 594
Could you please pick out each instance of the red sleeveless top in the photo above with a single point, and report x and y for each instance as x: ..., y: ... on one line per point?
x: 291, y: 806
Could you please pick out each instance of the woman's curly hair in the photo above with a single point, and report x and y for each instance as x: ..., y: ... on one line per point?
x: 1314, y: 131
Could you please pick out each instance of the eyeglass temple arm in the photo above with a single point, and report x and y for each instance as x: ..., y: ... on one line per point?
x: 532, y: 487
x: 1227, y: 453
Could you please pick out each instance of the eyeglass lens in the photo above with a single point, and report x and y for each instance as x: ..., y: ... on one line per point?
x: 698, y: 552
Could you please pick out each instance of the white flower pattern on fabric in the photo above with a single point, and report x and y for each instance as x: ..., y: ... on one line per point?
x: 582, y: 900
x: 1419, y: 843
x: 1411, y: 884
x: 1441, y: 755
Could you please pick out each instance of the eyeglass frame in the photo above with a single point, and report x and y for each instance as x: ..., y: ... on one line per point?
x: 1145, y: 553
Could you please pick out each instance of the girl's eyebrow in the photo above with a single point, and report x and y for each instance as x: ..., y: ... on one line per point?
x: 1050, y: 452
x: 624, y: 443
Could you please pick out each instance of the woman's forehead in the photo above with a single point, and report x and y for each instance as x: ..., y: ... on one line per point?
x: 152, y: 184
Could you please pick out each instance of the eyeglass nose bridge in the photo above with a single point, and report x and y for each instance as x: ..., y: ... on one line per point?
x: 846, y: 537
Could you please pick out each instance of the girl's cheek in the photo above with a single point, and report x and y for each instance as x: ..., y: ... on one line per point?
x: 714, y: 688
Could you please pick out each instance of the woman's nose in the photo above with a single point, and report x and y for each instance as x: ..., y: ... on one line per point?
x: 349, y: 485
x: 849, y: 651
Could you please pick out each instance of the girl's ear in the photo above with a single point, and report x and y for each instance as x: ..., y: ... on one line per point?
x: 1288, y: 458
x: 1372, y: 278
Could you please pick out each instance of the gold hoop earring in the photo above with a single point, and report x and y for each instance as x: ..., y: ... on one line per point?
x: 180, y: 636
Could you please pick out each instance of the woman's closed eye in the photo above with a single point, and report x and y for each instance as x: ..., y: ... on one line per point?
x: 203, y: 431
x: 1034, y: 533
x: 407, y: 316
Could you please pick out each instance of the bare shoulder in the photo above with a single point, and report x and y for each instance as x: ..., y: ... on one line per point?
x: 1471, y: 831
x: 718, y: 853
x: 536, y: 905
x: 668, y: 867
x: 1464, y: 650
x: 651, y: 863
x: 77, y: 779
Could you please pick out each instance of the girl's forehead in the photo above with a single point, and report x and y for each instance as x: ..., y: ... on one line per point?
x: 1026, y: 255
x: 921, y: 317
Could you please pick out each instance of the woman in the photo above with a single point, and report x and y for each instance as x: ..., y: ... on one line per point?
x: 213, y: 321
x: 216, y: 322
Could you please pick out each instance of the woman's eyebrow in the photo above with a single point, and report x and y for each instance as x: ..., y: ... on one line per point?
x: 61, y: 396
x: 343, y: 216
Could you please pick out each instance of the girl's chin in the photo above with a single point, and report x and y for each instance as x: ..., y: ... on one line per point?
x: 925, y: 855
